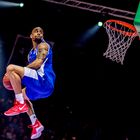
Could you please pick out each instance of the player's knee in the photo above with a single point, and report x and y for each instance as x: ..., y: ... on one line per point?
x: 12, y: 75
x: 10, y: 68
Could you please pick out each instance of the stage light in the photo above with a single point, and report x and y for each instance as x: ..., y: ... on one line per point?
x: 21, y: 4
x: 7, y: 4
x: 100, y: 23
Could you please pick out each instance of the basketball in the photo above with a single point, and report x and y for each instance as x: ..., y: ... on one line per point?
x: 6, y: 83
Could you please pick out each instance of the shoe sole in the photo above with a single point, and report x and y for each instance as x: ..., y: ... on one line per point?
x: 14, y: 114
x: 36, y: 136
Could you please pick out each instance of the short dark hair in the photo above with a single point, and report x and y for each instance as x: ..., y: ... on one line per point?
x: 38, y: 27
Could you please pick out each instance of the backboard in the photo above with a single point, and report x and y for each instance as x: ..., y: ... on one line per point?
x: 137, y: 20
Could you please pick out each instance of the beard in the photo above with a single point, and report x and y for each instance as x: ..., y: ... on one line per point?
x: 38, y: 40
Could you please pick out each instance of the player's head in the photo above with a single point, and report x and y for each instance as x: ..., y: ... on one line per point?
x: 37, y: 34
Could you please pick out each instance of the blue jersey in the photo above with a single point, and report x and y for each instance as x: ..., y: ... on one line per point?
x: 44, y: 84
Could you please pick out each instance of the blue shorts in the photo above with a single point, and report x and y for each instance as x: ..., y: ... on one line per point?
x: 37, y: 87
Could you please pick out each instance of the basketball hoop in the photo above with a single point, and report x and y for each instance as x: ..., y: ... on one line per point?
x: 121, y: 34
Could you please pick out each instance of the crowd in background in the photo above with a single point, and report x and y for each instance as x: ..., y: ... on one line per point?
x: 62, y: 122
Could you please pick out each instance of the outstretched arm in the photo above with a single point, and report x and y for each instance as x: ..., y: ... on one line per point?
x: 42, y: 52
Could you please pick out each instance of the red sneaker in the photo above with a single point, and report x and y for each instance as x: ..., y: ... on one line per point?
x: 17, y: 109
x: 37, y: 129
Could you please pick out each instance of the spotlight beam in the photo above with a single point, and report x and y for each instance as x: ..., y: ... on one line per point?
x: 6, y: 4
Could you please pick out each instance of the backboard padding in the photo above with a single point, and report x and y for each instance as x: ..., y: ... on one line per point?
x: 137, y: 19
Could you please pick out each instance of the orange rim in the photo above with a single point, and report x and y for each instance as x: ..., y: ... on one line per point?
x: 130, y: 26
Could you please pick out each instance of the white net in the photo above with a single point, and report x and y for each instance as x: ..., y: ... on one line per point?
x: 120, y: 35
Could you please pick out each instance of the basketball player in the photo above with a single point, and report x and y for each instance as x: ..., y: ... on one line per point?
x: 38, y: 78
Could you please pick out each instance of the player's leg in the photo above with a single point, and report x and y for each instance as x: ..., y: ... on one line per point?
x: 36, y: 126
x: 15, y: 73
x: 30, y: 105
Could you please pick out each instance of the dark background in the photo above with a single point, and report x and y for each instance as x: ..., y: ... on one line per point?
x: 94, y: 98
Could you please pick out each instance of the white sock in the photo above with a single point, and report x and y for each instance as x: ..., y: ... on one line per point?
x: 33, y: 118
x: 19, y: 98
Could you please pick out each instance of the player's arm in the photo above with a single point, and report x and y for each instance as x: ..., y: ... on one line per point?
x: 41, y: 55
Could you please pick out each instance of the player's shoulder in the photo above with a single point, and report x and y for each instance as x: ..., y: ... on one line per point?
x: 43, y: 45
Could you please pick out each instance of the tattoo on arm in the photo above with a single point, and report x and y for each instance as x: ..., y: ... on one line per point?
x: 42, y: 52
